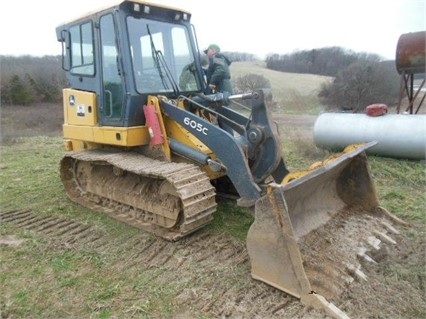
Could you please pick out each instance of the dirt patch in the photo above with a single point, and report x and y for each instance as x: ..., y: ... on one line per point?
x: 47, y: 119
x: 10, y: 241
x: 298, y: 126
x: 35, y: 120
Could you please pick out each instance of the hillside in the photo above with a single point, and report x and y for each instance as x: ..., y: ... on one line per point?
x: 293, y: 93
x: 281, y: 82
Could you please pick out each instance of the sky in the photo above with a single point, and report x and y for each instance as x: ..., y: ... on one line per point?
x: 27, y: 27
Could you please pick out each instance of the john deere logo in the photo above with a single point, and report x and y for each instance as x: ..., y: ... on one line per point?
x: 71, y: 100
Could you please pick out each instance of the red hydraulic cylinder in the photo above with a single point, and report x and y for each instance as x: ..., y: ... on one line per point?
x: 153, y: 124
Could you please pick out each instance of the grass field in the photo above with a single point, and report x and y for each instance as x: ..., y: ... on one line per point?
x: 55, y: 275
x: 293, y: 93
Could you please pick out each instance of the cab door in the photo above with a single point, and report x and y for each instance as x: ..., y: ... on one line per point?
x: 112, y: 85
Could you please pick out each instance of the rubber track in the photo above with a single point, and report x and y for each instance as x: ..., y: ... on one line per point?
x: 189, y: 183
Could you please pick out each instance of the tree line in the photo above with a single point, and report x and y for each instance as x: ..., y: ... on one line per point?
x: 27, y: 79
x: 325, y: 61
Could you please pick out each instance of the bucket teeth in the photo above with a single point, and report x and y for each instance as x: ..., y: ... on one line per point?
x: 384, y: 237
x: 362, y: 254
x: 319, y: 302
x: 390, y: 228
x: 374, y: 242
x: 356, y: 272
x: 314, y: 233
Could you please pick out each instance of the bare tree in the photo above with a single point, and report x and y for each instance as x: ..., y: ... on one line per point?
x: 360, y: 84
x: 250, y: 82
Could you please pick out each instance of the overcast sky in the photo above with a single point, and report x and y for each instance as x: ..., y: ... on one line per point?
x: 257, y: 27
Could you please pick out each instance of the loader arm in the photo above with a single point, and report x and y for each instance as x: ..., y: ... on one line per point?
x: 264, y: 147
x: 250, y: 156
x: 226, y: 148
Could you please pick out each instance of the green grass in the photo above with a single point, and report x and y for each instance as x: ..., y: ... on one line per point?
x: 232, y: 219
x: 401, y: 186
x: 29, y: 171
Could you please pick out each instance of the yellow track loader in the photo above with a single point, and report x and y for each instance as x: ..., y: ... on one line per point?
x: 153, y: 151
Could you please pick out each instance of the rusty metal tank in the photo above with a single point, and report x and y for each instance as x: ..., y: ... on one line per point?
x: 411, y: 53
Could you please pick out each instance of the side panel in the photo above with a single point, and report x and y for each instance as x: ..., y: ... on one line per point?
x: 80, y: 107
x: 108, y: 135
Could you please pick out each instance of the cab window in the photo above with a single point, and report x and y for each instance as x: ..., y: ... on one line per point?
x: 82, y: 51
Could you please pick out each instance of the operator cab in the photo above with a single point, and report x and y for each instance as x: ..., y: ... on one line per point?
x: 126, y: 52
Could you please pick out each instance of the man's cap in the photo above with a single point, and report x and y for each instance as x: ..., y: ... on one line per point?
x: 212, y: 46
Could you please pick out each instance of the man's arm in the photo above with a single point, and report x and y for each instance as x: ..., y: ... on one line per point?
x: 220, y: 71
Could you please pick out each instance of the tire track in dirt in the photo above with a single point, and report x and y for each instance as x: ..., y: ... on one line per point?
x: 56, y: 228
x: 212, y: 269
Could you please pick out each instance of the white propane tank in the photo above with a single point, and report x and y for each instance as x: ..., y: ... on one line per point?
x: 398, y: 135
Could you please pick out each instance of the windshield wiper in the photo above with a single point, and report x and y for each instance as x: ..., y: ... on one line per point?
x: 161, y: 64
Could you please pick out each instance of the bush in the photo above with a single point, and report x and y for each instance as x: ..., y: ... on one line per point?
x: 361, y: 84
x: 251, y: 82
x: 16, y: 92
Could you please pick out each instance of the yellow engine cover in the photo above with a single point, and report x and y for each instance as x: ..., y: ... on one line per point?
x: 81, y: 129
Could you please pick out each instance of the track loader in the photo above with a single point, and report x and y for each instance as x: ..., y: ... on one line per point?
x: 153, y: 150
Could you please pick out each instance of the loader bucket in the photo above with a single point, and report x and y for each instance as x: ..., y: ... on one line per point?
x: 309, y: 233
